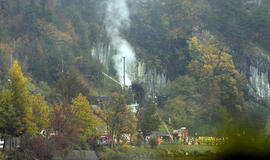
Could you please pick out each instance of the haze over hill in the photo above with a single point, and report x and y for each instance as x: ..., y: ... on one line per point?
x: 204, y: 63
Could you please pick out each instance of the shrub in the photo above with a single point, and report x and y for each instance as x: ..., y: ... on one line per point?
x: 125, y: 148
x: 2, y: 155
x: 33, y: 147
x: 61, y: 142
x: 92, y: 142
x: 153, y: 142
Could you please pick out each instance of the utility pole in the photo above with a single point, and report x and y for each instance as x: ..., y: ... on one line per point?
x: 124, y: 73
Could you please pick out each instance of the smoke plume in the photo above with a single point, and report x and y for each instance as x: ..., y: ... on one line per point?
x: 117, y: 17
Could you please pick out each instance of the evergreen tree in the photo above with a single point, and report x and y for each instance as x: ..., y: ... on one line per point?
x: 19, y: 96
x: 148, y: 119
x: 14, y: 111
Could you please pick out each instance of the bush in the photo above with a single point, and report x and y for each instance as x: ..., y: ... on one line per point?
x: 61, y: 143
x: 139, y: 140
x: 92, y: 142
x: 33, y: 147
x: 83, y: 144
x: 2, y: 155
x: 153, y: 142
x: 125, y: 148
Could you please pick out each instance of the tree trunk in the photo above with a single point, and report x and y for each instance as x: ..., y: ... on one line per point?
x: 112, y: 140
x: 144, y: 140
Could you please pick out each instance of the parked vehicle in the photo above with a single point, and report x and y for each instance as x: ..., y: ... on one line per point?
x: 182, y: 132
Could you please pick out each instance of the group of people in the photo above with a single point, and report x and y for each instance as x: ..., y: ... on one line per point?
x: 188, y: 141
x: 201, y: 140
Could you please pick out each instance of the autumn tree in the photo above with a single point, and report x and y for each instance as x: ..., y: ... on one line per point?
x: 83, y: 114
x: 70, y: 85
x: 117, y: 116
x: 10, y: 122
x: 129, y: 125
x: 19, y: 96
x: 15, y: 112
x: 39, y: 117
x: 211, y: 94
x: 60, y: 118
x: 148, y: 119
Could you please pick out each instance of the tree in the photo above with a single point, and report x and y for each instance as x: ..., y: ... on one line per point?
x: 148, y: 119
x: 70, y: 85
x: 9, y: 121
x: 14, y: 110
x: 129, y: 125
x: 5, y: 52
x: 60, y: 118
x: 212, y: 91
x: 117, y: 116
x: 62, y: 122
x: 19, y: 95
x: 39, y: 116
x: 83, y: 114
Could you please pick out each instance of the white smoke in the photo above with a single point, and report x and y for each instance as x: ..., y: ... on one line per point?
x: 117, y: 17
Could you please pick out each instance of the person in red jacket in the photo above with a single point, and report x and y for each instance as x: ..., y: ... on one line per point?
x: 196, y: 141
x: 159, y: 140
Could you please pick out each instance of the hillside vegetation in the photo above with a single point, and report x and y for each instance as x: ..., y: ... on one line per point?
x: 50, y: 81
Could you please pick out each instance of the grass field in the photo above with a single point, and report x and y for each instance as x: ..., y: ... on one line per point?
x: 201, y: 148
x: 163, y: 151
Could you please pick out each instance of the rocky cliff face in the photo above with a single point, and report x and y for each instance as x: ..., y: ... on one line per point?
x: 255, y: 64
x: 153, y: 81
x: 103, y: 52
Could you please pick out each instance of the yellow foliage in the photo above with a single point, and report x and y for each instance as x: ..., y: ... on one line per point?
x: 84, y: 115
x: 39, y: 112
x: 16, y: 73
x: 238, y: 107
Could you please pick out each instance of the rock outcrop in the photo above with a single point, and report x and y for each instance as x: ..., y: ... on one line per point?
x: 153, y: 81
x: 254, y: 62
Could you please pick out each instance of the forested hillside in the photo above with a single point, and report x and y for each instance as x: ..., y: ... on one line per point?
x: 205, y: 80
x: 48, y: 70
x: 51, y: 39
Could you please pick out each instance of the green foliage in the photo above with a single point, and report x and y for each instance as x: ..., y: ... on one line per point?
x: 153, y: 142
x: 210, y: 94
x: 21, y: 112
x: 239, y: 22
x: 39, y: 115
x: 83, y: 114
x: 118, y: 117
x: 18, y: 98
x: 148, y: 119
x: 10, y: 121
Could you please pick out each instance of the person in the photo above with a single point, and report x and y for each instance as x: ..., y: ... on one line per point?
x: 196, y: 141
x: 159, y: 140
